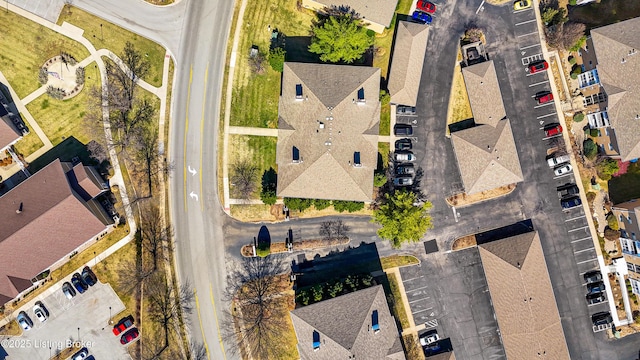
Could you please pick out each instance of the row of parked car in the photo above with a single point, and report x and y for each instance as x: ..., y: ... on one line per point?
x: 39, y: 310
x: 121, y: 328
x: 81, y: 282
x: 424, y: 11
x: 404, y: 171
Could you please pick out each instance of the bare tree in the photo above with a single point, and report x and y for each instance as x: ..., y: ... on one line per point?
x: 167, y: 303
x: 97, y: 151
x: 132, y: 273
x: 146, y: 152
x: 258, y: 317
x: 155, y: 236
x: 257, y: 63
x: 197, y: 351
x: 137, y: 67
x: 572, y: 32
x: 333, y: 229
x: 244, y: 176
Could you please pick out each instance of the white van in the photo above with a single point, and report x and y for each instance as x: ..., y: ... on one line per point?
x: 557, y: 160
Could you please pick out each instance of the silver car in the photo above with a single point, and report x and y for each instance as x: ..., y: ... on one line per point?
x: 24, y: 321
x: 404, y: 156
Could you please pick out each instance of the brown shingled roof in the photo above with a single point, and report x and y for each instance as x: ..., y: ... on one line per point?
x: 328, y: 126
x: 487, y: 157
x: 617, y: 49
x: 406, y: 66
x: 523, y: 299
x: 8, y: 135
x: 85, y: 180
x: 376, y: 11
x: 42, y: 222
x: 484, y: 93
x: 345, y: 325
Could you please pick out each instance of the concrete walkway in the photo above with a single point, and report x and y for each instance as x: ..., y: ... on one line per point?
x: 412, y: 329
x: 243, y: 130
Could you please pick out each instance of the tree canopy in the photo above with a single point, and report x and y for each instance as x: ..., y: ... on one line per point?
x: 401, y: 220
x: 340, y: 38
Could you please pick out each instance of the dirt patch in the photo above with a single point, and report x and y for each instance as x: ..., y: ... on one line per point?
x: 556, y: 76
x: 255, y: 213
x: 65, y: 353
x: 617, y: 296
x: 498, y: 2
x: 11, y: 329
x: 464, y: 199
x: 464, y: 242
x: 311, y: 244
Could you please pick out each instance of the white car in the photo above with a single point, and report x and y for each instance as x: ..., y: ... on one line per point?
x: 555, y: 161
x: 404, y: 156
x: 565, y: 169
x: 429, y: 338
x: 41, y: 312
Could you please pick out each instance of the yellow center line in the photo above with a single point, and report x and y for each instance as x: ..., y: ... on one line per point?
x: 204, y: 100
x: 204, y: 339
x: 215, y: 315
x: 186, y: 130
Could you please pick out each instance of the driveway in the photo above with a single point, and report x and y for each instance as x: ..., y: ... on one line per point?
x: 82, y: 319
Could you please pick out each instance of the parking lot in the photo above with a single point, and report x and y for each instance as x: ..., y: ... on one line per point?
x: 83, y: 319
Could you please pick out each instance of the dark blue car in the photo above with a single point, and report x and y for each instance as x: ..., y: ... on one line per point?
x: 78, y: 283
x: 570, y: 203
x: 422, y: 17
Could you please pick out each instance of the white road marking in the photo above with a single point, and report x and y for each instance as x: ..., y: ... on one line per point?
x: 580, y: 228
x: 419, y: 277
x: 581, y: 251
x: 480, y: 7
x: 597, y: 303
x: 419, y: 311
x: 543, y: 105
x: 529, y: 47
x: 586, y: 261
x: 575, y: 218
x: 194, y: 195
x: 191, y: 170
x: 525, y: 22
x: 583, y: 239
x: 455, y: 213
x: 419, y: 299
x: 544, y: 116
x: 561, y: 176
x: 539, y: 83
x: 531, y: 33
x: 420, y: 288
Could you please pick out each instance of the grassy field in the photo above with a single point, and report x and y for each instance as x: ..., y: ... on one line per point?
x: 27, y: 46
x: 105, y: 35
x: 255, y: 97
x: 385, y: 116
x: 28, y: 144
x: 459, y: 107
x: 392, y: 261
x: 60, y: 119
x: 383, y: 41
x: 383, y: 150
x: 606, y: 12
x: 260, y: 149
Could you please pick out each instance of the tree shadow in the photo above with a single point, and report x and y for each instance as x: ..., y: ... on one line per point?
x: 69, y: 150
x: 462, y: 125
x: 264, y: 239
x: 297, y: 48
x: 269, y: 180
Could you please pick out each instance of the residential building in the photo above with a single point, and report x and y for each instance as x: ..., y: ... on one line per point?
x: 618, y: 73
x: 627, y: 215
x: 484, y: 93
x: 45, y: 219
x: 487, y: 157
x: 357, y: 325
x: 523, y: 299
x: 376, y: 14
x: 10, y: 125
x: 407, y: 60
x: 328, y: 124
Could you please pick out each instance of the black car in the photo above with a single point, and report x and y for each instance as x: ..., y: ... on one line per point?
x: 595, y: 298
x: 405, y: 110
x: 570, y: 203
x: 78, y: 283
x: 88, y: 276
x: 594, y: 288
x: 403, y: 129
x: 405, y: 169
x: 601, y: 318
x: 568, y: 190
x: 593, y: 276
x: 403, y: 144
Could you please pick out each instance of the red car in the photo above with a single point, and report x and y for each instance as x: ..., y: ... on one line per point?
x: 538, y: 66
x: 545, y: 98
x: 129, y: 336
x: 123, y: 325
x: 426, y: 6
x: 553, y: 131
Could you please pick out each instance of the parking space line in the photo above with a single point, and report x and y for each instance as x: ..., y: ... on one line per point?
x: 419, y: 311
x: 420, y: 288
x: 561, y: 176
x: 583, y: 239
x: 480, y: 7
x: 581, y: 251
x: 419, y: 277
x: 525, y: 22
x: 586, y: 261
x: 543, y: 105
x: 575, y: 218
x: 536, y: 73
x: 529, y: 47
x: 531, y: 33
x: 544, y: 116
x: 598, y: 303
x: 539, y: 83
x: 580, y: 228
x: 420, y: 299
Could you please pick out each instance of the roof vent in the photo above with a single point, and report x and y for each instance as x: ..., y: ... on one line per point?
x: 328, y: 142
x: 19, y: 209
x: 623, y: 60
x: 321, y: 125
x: 632, y: 52
x: 637, y: 116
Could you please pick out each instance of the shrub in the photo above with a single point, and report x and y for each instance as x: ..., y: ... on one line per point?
x: 612, y: 222
x: 268, y: 197
x: 578, y: 117
x: 572, y: 60
x: 590, y: 149
x: 611, y: 235
x: 606, y: 168
x: 594, y: 132
x: 276, y: 58
x: 80, y: 75
x: 68, y: 59
x: 591, y: 196
x: 297, y: 203
x: 350, y: 206
x: 316, y: 290
x: 574, y: 76
x: 55, y: 92
x: 263, y: 251
x: 573, y: 2
x: 379, y: 179
x: 321, y: 204
x: 43, y: 76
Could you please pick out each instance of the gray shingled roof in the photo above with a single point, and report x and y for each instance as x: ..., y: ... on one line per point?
x: 407, y: 60
x: 487, y: 157
x: 617, y: 48
x: 376, y: 11
x: 328, y: 125
x: 484, y: 93
x: 344, y: 324
x: 43, y: 221
x: 523, y: 299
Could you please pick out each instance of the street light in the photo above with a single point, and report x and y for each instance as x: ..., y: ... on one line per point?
x: 110, y: 321
x: 101, y: 37
x: 78, y: 334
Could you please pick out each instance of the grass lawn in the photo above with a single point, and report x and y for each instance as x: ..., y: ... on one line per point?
x: 261, y: 150
x: 398, y: 307
x: 385, y: 116
x: 255, y: 97
x: 31, y: 45
x: 107, y: 271
x: 625, y: 187
x: 29, y: 144
x: 60, y: 119
x: 383, y: 151
x: 398, y: 260
x: 383, y: 41
x: 459, y: 107
x: 105, y: 35
x: 604, y: 13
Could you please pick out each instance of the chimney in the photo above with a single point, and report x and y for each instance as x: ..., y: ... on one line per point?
x: 19, y: 209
